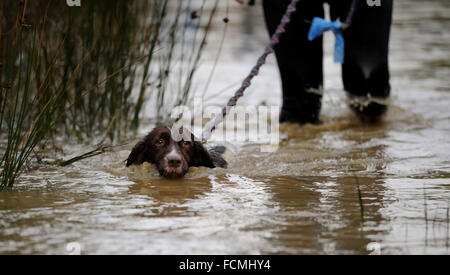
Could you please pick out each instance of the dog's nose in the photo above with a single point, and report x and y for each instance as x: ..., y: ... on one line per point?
x: 174, y: 161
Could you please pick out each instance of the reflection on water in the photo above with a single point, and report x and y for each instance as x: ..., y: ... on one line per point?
x: 329, y: 189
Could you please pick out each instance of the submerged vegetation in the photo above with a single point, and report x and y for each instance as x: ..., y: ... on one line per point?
x: 87, y: 72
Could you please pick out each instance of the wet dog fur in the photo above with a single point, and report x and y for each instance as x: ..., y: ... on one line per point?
x: 173, y: 158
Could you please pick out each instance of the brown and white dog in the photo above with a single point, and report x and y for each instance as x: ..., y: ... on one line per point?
x: 173, y: 158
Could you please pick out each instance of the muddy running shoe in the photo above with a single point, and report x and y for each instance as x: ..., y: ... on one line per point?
x: 368, y: 108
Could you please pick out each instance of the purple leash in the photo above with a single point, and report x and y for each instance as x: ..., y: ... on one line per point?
x: 351, y: 12
x: 247, y: 81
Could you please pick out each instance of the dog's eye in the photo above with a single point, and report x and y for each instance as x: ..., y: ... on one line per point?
x: 186, y: 143
x: 160, y: 142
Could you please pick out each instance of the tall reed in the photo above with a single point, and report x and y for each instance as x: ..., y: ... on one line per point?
x: 27, y: 112
x: 83, y: 72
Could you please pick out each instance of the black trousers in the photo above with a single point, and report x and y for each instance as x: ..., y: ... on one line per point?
x: 365, y: 71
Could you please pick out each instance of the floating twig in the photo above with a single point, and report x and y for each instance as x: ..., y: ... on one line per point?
x: 361, y: 206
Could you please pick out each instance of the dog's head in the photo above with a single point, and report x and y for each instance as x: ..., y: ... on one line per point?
x: 171, y: 157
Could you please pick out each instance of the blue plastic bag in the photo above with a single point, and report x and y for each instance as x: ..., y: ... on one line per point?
x: 319, y: 26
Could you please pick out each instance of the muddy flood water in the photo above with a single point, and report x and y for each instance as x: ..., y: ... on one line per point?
x: 338, y: 188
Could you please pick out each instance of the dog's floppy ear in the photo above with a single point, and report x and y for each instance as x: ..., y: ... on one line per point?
x: 137, y: 155
x: 201, y: 156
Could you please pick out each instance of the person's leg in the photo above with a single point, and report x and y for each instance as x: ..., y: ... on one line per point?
x: 365, y: 71
x: 299, y: 60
